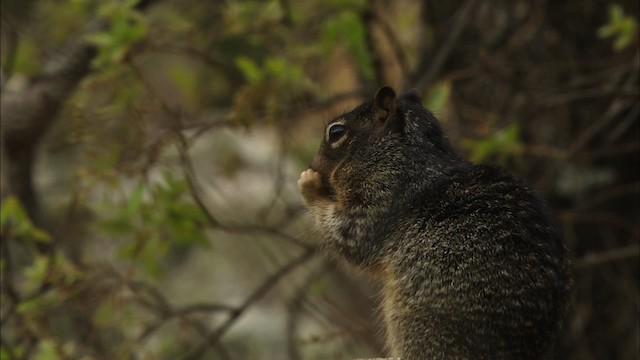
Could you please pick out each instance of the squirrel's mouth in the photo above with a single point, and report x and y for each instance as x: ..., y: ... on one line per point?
x: 327, y: 189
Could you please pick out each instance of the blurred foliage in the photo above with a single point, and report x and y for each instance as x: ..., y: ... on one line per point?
x: 154, y: 221
x: 127, y: 27
x: 348, y: 30
x: 438, y: 96
x: 500, y: 147
x: 622, y: 28
x: 14, y: 222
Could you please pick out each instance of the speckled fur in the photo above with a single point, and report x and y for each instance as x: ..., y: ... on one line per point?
x: 469, y: 260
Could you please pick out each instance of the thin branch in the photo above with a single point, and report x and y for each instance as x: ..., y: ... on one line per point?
x: 426, y: 76
x: 192, y: 179
x: 400, y: 55
x: 374, y: 50
x: 625, y: 124
x: 229, y: 119
x: 608, y: 194
x: 214, y: 337
x: 617, y: 105
x: 294, y: 308
x: 608, y: 218
x: 627, y: 252
x: 562, y: 98
x: 196, y: 194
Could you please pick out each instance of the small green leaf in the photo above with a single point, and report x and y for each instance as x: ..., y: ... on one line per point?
x: 187, y: 81
x: 11, y: 211
x: 104, y: 315
x: 126, y: 28
x: 27, y: 59
x: 249, y: 69
x: 128, y: 250
x: 623, y: 29
x: 503, y: 144
x: 135, y: 201
x: 116, y: 227
x: 38, y: 271
x: 347, y: 28
x: 40, y: 305
x: 438, y: 96
x: 46, y: 350
x: 151, y: 254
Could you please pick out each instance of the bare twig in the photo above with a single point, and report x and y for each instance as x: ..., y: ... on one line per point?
x: 372, y: 45
x: 570, y: 217
x: 196, y: 193
x: 398, y: 51
x: 426, y: 75
x: 214, y: 337
x: 608, y: 194
x: 295, y: 307
x: 617, y: 105
x: 631, y: 251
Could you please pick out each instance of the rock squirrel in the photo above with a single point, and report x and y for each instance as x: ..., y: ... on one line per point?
x: 470, y: 262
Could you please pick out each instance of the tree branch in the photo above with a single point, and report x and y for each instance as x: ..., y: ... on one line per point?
x: 426, y: 71
x: 603, y: 257
x: 214, y: 337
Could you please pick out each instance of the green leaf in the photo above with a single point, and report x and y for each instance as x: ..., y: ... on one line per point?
x: 40, y: 305
x: 503, y: 144
x: 347, y: 28
x: 346, y: 4
x: 14, y: 220
x: 249, y: 69
x: 104, y: 315
x: 116, y: 227
x: 135, y: 201
x: 27, y: 59
x: 438, y: 96
x: 11, y: 211
x: 187, y: 81
x: 46, y: 350
x: 276, y: 67
x: 187, y: 210
x: 127, y: 26
x: 38, y: 271
x: 622, y: 28
x: 66, y: 269
x: 128, y: 250
x: 4, y: 355
x: 154, y: 220
x: 151, y: 254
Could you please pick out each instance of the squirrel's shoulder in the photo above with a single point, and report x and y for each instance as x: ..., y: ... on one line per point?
x: 481, y: 188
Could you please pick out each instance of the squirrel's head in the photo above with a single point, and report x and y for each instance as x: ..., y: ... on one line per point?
x: 378, y: 139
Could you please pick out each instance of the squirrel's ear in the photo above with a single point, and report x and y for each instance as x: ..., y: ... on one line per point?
x: 384, y: 103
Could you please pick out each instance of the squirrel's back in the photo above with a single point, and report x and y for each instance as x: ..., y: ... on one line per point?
x: 477, y: 268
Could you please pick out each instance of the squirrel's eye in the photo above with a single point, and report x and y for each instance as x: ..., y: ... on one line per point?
x: 335, y: 132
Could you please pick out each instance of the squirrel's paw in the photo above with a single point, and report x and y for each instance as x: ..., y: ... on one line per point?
x: 310, y: 184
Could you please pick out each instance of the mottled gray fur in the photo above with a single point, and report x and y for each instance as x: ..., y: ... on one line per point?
x: 470, y: 262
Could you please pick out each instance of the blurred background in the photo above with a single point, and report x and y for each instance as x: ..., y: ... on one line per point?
x: 150, y: 152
